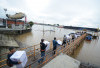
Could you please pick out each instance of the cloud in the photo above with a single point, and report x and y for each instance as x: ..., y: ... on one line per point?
x: 65, y: 12
x: 76, y: 12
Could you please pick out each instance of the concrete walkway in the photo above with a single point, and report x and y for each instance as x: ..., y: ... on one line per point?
x: 63, y: 61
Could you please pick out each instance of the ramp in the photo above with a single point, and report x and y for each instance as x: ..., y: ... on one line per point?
x: 63, y: 61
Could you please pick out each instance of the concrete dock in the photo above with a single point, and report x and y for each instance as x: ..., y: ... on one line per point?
x: 14, y: 31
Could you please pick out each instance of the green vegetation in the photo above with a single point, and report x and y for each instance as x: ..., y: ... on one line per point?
x: 56, y: 24
x: 31, y: 23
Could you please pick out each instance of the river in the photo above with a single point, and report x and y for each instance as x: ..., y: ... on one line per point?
x: 89, y: 52
x: 39, y: 31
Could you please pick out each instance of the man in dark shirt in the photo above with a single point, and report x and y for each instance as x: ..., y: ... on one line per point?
x: 12, y: 50
x: 54, y: 45
x: 42, y: 49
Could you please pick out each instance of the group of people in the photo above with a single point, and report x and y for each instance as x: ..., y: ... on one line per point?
x: 42, y: 49
x: 43, y: 46
x: 55, y: 43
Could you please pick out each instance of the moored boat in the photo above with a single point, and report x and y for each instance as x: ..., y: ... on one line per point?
x: 89, y: 38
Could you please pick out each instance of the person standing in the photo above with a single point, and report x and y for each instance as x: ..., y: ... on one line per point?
x: 54, y: 45
x: 11, y: 63
x: 64, y: 40
x: 42, y: 49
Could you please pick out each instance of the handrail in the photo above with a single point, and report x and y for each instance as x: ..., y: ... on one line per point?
x: 20, y: 49
x: 25, y: 48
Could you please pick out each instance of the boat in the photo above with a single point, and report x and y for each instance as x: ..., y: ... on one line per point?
x: 95, y: 37
x: 88, y: 37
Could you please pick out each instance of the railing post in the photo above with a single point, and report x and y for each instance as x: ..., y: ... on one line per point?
x: 46, y: 58
x: 29, y: 66
x: 50, y: 45
x: 62, y: 50
x: 56, y: 52
x: 34, y: 51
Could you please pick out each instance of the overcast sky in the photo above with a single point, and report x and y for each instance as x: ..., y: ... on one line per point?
x: 84, y: 13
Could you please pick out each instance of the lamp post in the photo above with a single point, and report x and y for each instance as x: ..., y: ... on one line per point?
x: 43, y: 28
x: 6, y: 18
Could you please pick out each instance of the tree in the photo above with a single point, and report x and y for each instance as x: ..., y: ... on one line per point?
x: 57, y: 24
x: 31, y: 23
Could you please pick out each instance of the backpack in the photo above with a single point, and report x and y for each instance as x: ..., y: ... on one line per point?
x: 8, y: 63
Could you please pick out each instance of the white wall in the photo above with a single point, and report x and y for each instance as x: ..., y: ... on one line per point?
x: 1, y: 22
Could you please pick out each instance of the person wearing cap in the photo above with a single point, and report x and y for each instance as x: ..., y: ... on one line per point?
x: 54, y: 45
x: 42, y: 49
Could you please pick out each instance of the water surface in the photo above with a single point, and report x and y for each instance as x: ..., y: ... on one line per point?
x: 89, y: 52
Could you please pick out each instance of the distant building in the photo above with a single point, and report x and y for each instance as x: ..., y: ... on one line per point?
x: 15, y: 24
x: 12, y: 24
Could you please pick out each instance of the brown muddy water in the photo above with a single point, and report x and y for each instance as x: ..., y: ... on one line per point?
x: 89, y: 52
x: 38, y: 32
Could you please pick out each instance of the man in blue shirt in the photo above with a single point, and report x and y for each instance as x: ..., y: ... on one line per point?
x: 54, y: 45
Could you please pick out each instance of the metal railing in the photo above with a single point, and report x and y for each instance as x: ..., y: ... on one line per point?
x: 30, y: 51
